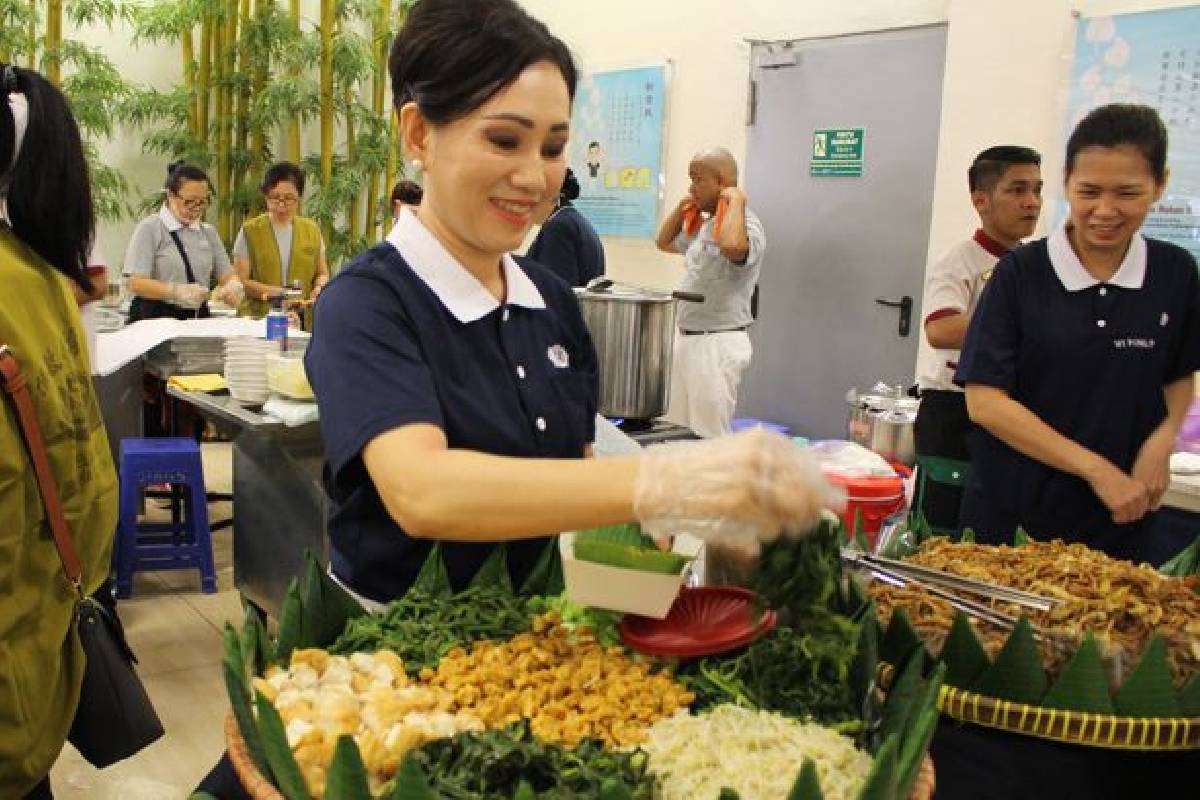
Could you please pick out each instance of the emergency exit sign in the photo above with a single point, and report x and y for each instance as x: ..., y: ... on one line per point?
x: 837, y: 151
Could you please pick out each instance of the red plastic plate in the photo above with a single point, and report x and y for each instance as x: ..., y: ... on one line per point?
x: 702, y: 622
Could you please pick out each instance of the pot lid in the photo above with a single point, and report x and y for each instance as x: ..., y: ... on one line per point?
x: 622, y: 294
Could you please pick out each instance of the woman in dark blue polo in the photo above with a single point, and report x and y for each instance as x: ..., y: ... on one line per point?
x: 567, y: 242
x: 1079, y: 362
x: 457, y: 385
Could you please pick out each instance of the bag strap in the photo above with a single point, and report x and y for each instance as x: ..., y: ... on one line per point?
x: 187, y: 262
x: 17, y: 387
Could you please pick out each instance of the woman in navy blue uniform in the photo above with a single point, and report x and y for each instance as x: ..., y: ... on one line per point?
x: 1078, y: 367
x: 1079, y: 362
x: 567, y: 242
x: 458, y: 385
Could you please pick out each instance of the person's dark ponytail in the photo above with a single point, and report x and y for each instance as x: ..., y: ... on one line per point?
x: 49, y: 193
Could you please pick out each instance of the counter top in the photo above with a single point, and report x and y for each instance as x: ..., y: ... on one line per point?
x: 222, y: 408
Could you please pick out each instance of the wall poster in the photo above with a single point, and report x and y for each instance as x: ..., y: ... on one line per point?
x: 1150, y: 57
x: 616, y: 149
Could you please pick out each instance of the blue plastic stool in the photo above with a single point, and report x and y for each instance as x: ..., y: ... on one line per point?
x: 183, y: 543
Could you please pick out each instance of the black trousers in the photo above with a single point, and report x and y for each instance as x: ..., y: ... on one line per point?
x: 941, y: 430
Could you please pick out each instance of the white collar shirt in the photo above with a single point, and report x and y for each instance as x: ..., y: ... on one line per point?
x: 1074, y: 276
x: 172, y: 223
x: 457, y: 289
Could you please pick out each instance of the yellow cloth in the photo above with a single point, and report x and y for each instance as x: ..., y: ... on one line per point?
x: 266, y: 264
x: 210, y: 382
x: 41, y: 661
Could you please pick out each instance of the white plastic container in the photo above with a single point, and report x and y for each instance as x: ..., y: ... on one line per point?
x: 286, y: 375
x: 632, y: 591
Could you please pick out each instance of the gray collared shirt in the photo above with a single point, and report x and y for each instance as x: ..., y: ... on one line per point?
x: 727, y: 287
x: 152, y: 254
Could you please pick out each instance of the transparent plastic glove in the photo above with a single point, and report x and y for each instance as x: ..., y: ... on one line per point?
x: 750, y: 486
x: 232, y: 293
x: 188, y: 295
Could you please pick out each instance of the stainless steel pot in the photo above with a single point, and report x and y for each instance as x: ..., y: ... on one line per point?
x: 883, y: 422
x: 633, y: 329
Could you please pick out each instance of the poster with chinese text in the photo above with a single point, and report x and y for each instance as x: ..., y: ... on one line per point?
x: 616, y: 149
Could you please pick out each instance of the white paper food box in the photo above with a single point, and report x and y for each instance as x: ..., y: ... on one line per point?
x: 632, y: 591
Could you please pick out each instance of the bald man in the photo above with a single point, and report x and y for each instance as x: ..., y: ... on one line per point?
x: 712, y: 345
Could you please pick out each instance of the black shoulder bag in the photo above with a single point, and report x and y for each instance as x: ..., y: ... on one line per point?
x: 144, y: 308
x: 115, y: 718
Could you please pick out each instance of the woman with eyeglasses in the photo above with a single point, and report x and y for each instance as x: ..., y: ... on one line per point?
x: 174, y: 257
x: 278, y: 249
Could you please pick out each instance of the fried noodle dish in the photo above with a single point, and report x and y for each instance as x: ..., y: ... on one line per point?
x: 1121, y: 604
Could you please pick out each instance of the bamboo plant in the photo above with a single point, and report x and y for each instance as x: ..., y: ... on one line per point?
x: 31, y: 34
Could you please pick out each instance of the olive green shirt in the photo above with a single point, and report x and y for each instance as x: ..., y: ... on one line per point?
x: 41, y: 661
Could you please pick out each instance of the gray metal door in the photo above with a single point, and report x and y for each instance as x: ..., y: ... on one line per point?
x: 836, y: 245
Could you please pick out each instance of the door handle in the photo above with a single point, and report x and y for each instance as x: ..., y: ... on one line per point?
x: 905, y: 304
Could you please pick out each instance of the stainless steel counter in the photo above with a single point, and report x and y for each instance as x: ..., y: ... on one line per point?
x: 279, y: 505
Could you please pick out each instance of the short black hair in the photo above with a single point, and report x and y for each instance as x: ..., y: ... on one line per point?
x: 452, y: 56
x: 989, y: 166
x: 593, y: 144
x: 283, y: 171
x: 180, y: 171
x: 408, y: 192
x: 570, y: 186
x: 1119, y: 124
x: 49, y: 193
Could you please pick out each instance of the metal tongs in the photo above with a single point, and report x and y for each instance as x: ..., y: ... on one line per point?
x: 951, y: 588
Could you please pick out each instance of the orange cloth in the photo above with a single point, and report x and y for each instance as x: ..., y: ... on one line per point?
x: 693, y: 219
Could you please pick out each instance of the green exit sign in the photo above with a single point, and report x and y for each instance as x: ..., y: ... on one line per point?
x: 837, y: 151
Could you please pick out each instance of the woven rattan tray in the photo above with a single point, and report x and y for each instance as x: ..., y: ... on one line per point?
x: 259, y: 788
x: 1072, y: 727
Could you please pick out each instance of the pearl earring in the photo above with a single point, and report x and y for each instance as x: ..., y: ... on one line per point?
x: 418, y: 164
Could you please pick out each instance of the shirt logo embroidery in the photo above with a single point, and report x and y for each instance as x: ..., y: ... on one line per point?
x: 1162, y: 321
x: 1133, y: 344
x: 559, y: 356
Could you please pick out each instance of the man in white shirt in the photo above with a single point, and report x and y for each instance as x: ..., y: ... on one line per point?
x: 1006, y: 190
x: 722, y: 242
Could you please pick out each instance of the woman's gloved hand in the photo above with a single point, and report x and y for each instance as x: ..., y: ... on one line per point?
x: 188, y: 295
x: 750, y: 485
x: 232, y: 292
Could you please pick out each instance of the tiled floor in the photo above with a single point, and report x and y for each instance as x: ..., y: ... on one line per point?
x: 175, y: 630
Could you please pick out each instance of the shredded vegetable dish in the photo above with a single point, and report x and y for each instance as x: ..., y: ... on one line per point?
x: 758, y: 754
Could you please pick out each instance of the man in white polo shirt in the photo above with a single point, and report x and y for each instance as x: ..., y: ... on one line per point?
x: 723, y: 243
x: 1006, y: 190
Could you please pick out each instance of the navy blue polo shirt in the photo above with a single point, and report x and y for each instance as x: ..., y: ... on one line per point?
x: 1088, y: 358
x: 404, y: 334
x: 569, y: 246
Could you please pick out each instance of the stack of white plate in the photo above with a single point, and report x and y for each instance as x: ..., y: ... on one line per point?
x: 246, y: 368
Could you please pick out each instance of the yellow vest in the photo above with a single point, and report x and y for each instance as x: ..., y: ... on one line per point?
x: 266, y: 265
x: 41, y: 661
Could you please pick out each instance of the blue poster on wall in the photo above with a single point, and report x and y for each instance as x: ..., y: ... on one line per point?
x: 1153, y: 58
x: 616, y: 149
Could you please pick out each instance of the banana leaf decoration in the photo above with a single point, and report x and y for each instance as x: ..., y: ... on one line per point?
x: 316, y: 609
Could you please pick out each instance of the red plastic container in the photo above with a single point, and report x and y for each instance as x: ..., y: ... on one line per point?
x: 876, y: 497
